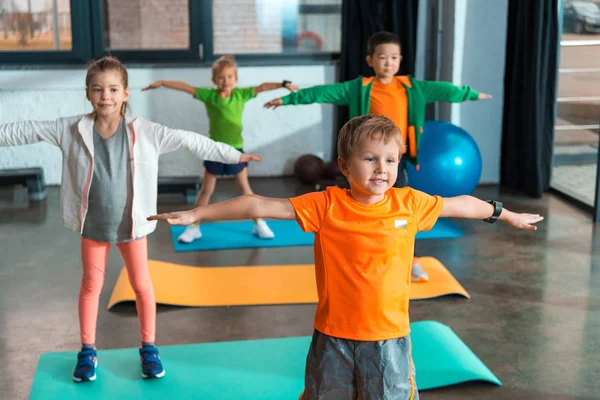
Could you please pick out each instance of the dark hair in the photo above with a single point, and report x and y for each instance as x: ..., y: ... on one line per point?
x: 366, y: 126
x: 381, y: 38
x: 108, y: 63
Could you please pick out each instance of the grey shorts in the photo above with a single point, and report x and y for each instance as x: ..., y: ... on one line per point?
x: 342, y: 369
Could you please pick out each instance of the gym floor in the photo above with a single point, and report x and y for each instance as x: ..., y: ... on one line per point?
x: 533, y: 318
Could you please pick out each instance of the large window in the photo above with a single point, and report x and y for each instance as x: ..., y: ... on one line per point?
x: 73, y: 31
x: 44, y: 31
x: 27, y: 25
x: 575, y: 166
x: 273, y: 27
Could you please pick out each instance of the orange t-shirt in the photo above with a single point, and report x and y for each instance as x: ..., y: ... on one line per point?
x: 390, y: 100
x: 363, y: 256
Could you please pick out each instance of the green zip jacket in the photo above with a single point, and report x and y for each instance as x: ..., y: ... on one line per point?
x: 356, y: 94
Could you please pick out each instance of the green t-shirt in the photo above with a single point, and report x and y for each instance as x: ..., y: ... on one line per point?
x: 225, y: 114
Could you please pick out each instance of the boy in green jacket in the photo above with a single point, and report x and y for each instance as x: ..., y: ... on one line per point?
x: 400, y: 98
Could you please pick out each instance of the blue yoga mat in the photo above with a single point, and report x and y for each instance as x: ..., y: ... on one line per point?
x: 237, y: 235
x: 266, y: 369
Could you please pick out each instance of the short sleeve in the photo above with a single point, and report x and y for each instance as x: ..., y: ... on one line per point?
x: 310, y: 210
x: 246, y: 93
x: 203, y: 94
x: 427, y: 209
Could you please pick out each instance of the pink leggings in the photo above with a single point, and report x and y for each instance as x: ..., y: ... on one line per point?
x: 93, y: 257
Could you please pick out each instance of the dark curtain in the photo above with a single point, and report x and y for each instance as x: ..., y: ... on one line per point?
x: 361, y: 19
x: 530, y: 85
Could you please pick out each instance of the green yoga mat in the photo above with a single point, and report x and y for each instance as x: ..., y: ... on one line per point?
x: 266, y: 369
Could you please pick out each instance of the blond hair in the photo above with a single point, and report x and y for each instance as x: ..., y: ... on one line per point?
x: 223, y: 62
x: 105, y: 64
x: 369, y: 126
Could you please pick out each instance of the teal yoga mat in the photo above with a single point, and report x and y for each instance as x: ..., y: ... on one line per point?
x: 266, y: 369
x: 237, y: 235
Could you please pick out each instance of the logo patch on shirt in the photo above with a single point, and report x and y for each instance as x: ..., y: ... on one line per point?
x: 400, y: 223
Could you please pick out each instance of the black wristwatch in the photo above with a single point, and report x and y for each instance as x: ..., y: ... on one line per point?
x: 285, y: 83
x: 497, y: 211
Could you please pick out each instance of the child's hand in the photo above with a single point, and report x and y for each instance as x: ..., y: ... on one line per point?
x: 175, y: 218
x: 249, y: 157
x: 292, y: 88
x: 484, y: 96
x: 523, y: 221
x: 274, y: 103
x: 155, y: 85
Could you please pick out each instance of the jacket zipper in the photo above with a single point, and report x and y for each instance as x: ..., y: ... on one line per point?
x: 86, y: 192
x: 132, y: 158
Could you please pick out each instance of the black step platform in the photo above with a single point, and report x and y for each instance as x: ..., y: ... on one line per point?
x: 189, y: 186
x: 33, y: 178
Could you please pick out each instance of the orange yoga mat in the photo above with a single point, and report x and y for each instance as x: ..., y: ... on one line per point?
x: 252, y: 285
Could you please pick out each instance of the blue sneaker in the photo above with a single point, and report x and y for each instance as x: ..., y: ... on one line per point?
x: 151, y: 364
x: 86, y: 366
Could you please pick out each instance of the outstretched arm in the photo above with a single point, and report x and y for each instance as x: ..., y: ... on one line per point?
x: 448, y: 92
x: 336, y: 93
x: 472, y: 208
x: 169, y: 140
x: 243, y: 207
x: 29, y: 132
x: 263, y: 87
x: 181, y: 86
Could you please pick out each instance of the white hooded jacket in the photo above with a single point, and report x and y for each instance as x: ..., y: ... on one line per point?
x: 147, y: 140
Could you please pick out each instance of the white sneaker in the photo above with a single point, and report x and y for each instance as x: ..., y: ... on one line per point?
x: 417, y: 272
x: 190, y: 234
x: 262, y: 230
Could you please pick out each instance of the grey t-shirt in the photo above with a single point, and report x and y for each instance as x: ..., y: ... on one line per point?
x: 110, y: 198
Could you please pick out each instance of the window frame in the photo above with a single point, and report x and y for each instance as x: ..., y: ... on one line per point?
x: 196, y: 10
x: 87, y: 25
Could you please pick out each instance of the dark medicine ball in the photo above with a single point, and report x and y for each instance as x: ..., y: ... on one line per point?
x: 332, y: 170
x: 309, y: 169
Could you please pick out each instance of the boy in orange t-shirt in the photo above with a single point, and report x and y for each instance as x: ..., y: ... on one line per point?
x: 364, y: 241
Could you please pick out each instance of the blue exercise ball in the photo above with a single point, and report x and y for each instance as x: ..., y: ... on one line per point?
x: 449, y: 161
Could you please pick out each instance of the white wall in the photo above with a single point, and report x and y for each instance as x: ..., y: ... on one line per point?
x: 478, y: 61
x: 280, y: 136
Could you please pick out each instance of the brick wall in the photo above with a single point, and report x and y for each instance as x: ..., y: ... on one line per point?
x: 246, y: 26
x: 148, y: 24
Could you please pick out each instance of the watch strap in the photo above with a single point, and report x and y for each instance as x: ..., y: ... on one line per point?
x: 497, y: 211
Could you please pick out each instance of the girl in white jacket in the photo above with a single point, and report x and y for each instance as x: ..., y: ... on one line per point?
x: 109, y: 187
